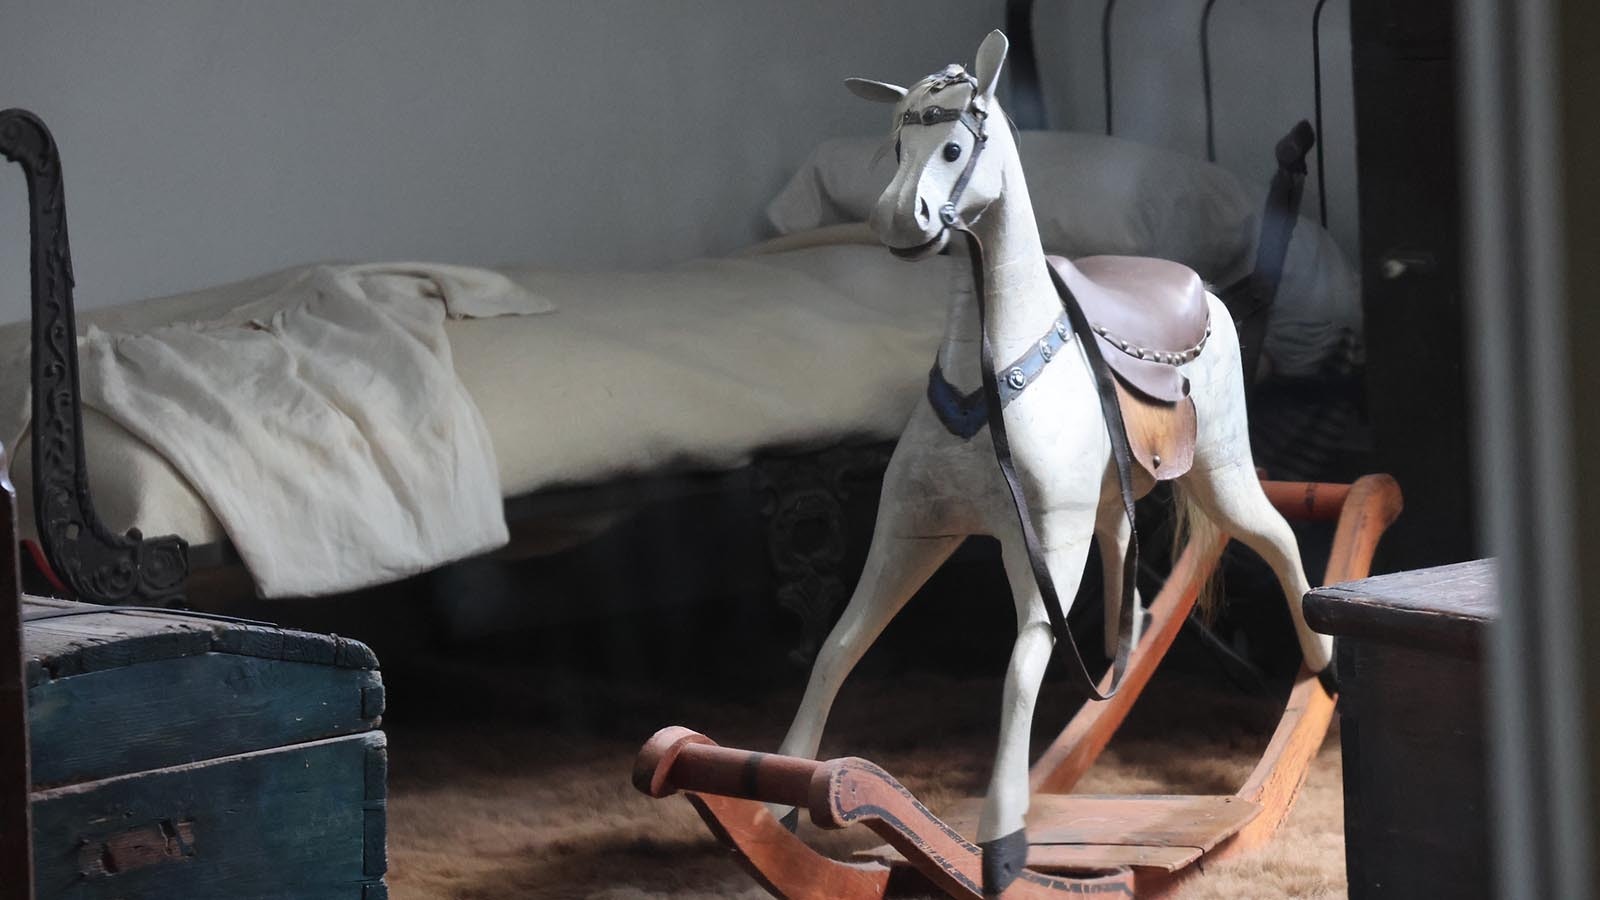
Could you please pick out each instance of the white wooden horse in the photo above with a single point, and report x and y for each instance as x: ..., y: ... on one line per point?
x: 940, y: 487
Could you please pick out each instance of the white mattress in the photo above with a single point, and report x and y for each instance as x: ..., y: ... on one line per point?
x: 697, y: 367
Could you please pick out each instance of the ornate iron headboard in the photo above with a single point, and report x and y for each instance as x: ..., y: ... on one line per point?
x: 1249, y: 299
x: 99, y: 565
x: 1027, y: 93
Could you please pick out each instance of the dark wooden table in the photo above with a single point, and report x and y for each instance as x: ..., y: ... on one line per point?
x: 1410, y: 651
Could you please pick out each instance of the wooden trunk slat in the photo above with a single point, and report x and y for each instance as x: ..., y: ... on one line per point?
x: 156, y: 714
x: 106, y: 638
x: 286, y: 824
x: 65, y: 648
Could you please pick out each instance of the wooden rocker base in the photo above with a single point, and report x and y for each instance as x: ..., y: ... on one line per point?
x: 1079, y: 844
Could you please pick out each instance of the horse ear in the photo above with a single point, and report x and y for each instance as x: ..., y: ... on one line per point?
x: 991, y: 56
x: 876, y: 91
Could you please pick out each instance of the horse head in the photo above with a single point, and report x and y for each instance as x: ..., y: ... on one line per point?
x: 941, y: 128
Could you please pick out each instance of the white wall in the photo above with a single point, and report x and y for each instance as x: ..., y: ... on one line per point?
x: 205, y: 141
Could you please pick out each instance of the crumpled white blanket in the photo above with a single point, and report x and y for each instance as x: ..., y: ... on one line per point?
x: 333, y: 389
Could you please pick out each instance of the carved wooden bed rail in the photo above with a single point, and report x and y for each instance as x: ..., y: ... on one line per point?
x: 100, y: 566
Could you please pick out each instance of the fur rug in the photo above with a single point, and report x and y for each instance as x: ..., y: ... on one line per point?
x: 483, y: 808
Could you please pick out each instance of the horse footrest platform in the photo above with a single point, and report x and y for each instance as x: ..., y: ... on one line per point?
x: 1073, y: 832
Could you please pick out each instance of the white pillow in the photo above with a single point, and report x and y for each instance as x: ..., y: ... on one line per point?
x: 1097, y: 194
x: 1091, y: 194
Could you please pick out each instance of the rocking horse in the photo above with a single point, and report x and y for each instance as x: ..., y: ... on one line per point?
x: 1120, y: 372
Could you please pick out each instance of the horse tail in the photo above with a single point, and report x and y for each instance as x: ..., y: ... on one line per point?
x: 1191, y: 525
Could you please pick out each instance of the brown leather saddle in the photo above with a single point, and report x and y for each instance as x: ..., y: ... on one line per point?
x: 1149, y: 316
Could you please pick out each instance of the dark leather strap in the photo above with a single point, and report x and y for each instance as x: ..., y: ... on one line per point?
x: 950, y: 216
x: 1249, y: 300
x: 1120, y: 451
x: 950, y: 212
x: 1283, y: 205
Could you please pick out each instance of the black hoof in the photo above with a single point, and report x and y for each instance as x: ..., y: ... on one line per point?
x: 1003, y: 859
x: 791, y: 820
x: 1330, y: 679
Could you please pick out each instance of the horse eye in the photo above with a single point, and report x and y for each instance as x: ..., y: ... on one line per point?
x: 896, y: 149
x: 952, y: 151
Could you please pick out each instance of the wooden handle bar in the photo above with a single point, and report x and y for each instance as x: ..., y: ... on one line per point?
x: 1307, y: 501
x: 677, y: 759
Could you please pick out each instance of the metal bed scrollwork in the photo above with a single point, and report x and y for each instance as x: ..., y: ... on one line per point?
x: 94, y: 561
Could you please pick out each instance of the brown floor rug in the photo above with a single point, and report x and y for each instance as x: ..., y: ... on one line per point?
x: 484, y: 808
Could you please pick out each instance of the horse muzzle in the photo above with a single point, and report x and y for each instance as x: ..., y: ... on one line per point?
x: 923, y: 250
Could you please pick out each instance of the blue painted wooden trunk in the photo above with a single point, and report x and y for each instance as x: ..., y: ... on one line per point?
x: 177, y: 756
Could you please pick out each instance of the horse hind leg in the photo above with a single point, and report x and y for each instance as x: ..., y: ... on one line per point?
x: 1231, y: 496
x: 1112, y: 531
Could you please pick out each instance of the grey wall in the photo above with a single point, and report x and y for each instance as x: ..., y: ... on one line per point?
x: 205, y: 141
x: 1263, y: 81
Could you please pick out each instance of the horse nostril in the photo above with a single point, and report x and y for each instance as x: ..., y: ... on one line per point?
x: 922, y: 210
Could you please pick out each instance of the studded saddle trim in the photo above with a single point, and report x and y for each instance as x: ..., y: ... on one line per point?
x: 1169, y: 357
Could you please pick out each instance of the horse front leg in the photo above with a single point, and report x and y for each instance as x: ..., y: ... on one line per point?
x: 896, y: 567
x: 1001, y: 831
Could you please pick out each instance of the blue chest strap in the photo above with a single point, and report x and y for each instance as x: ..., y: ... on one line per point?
x: 964, y: 415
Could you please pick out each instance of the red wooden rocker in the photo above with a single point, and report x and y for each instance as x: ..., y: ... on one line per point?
x: 1079, y: 843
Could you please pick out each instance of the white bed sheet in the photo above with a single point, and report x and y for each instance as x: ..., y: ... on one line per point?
x: 696, y: 367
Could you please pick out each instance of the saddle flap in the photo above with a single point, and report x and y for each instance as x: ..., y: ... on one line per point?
x: 1161, y: 435
x: 1149, y: 316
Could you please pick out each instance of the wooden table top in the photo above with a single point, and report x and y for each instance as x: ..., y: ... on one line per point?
x: 1443, y: 608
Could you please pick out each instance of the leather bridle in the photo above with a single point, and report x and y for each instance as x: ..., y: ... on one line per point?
x: 975, y: 118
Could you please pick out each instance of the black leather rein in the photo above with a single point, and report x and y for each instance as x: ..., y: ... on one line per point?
x: 1121, y: 452
x: 950, y: 217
